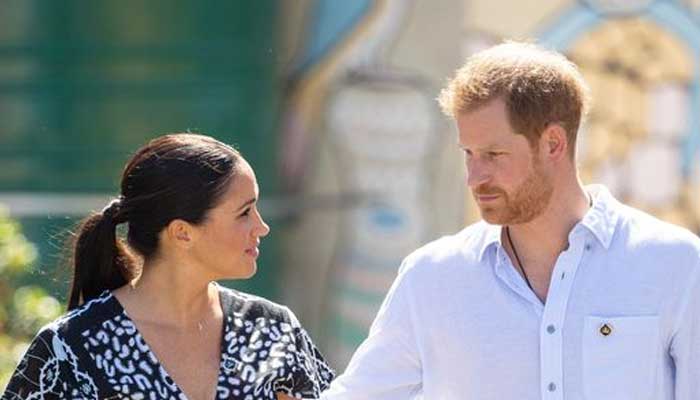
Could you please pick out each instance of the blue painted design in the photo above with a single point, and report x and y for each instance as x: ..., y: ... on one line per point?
x: 680, y: 22
x: 332, y: 21
x: 570, y: 26
x: 387, y: 218
x: 668, y: 14
x: 608, y: 9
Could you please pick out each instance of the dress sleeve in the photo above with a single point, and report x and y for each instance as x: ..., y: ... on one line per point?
x: 37, y: 375
x: 310, y: 373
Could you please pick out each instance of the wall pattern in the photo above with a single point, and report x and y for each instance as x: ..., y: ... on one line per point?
x: 362, y: 142
x: 376, y: 170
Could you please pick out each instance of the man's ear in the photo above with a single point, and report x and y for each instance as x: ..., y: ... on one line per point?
x: 554, y: 144
x: 181, y: 233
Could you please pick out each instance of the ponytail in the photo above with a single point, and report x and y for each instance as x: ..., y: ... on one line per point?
x: 101, y: 261
x: 178, y: 176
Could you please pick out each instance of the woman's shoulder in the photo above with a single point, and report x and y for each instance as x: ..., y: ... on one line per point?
x: 86, y: 316
x: 55, y: 361
x: 252, y: 307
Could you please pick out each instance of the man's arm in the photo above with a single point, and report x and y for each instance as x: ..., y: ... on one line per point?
x: 387, y: 364
x: 685, y: 345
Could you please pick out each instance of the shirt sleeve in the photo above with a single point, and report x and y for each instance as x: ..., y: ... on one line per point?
x: 38, y: 373
x: 685, y: 345
x: 310, y: 373
x: 387, y: 364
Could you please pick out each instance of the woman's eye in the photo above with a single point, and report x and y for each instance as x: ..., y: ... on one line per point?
x: 245, y: 213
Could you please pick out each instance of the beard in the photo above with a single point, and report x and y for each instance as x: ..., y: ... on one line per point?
x: 525, y: 203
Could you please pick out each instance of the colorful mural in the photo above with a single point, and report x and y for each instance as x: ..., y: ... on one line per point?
x: 642, y: 137
x: 377, y: 169
x: 641, y: 59
x: 365, y: 134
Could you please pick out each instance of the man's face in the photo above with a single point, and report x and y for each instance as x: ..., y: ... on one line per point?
x: 508, y: 180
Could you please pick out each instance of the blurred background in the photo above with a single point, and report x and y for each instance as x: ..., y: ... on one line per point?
x: 332, y: 102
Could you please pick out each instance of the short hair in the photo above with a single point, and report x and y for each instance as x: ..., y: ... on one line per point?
x: 538, y: 86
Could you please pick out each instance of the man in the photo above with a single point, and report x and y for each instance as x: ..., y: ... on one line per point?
x: 561, y: 292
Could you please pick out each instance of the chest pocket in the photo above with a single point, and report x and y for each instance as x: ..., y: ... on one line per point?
x: 619, y: 357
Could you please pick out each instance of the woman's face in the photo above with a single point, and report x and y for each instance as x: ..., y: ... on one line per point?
x: 228, y: 239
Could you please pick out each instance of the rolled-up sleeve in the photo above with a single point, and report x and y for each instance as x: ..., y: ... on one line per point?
x: 685, y: 345
x: 387, y: 364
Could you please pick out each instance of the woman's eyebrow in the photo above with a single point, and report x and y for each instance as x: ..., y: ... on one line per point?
x: 247, y: 203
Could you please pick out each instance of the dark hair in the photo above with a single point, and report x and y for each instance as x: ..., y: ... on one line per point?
x: 177, y: 176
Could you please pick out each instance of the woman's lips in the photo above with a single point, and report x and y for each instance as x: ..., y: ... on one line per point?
x: 253, y: 252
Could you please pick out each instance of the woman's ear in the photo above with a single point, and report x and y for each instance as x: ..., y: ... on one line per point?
x: 181, y: 233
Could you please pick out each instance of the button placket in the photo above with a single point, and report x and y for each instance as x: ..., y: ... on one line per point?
x: 551, y: 340
x: 506, y: 272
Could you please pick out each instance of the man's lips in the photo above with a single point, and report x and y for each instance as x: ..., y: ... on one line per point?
x: 483, y: 198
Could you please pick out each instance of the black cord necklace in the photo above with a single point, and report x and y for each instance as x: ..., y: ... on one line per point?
x: 517, y: 258
x: 515, y: 252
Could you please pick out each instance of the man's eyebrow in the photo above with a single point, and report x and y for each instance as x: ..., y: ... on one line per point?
x: 485, y: 148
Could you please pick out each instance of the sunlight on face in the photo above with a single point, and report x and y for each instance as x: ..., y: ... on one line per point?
x: 507, y: 179
x: 232, y: 230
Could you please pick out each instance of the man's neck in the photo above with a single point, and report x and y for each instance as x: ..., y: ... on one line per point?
x: 539, y: 242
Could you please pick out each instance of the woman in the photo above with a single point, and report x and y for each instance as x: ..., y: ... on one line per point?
x: 146, y: 319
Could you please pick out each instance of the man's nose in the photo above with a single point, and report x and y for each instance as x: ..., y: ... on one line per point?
x: 476, y: 174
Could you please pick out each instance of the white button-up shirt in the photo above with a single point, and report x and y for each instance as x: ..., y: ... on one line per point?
x: 621, y: 320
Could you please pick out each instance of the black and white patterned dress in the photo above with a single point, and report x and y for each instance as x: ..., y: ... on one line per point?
x: 96, y: 352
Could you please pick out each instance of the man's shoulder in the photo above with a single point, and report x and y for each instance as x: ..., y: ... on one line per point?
x: 641, y: 230
x: 461, y: 249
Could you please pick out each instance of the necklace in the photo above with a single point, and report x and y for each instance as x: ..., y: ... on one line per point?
x: 517, y: 258
x: 515, y: 252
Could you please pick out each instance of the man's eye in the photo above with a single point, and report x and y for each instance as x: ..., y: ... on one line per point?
x: 245, y: 213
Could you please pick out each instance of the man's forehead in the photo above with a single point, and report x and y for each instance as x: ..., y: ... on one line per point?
x: 488, y: 138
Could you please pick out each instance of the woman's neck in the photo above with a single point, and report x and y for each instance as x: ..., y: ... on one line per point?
x: 170, y: 293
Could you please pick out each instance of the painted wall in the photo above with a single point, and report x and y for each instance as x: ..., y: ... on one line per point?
x: 374, y: 165
x: 84, y: 84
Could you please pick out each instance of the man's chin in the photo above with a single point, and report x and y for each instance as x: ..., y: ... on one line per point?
x: 492, y: 216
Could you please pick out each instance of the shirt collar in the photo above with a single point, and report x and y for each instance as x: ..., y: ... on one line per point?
x: 601, y: 220
x: 492, y: 236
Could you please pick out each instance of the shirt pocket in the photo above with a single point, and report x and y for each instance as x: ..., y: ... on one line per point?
x: 619, y: 355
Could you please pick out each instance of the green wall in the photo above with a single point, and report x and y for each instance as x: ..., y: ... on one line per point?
x: 84, y: 83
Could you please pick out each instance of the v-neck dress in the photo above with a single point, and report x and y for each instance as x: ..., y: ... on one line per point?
x: 96, y: 352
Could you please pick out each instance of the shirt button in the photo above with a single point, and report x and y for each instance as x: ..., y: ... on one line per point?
x: 588, y: 247
x: 551, y: 329
x: 551, y: 387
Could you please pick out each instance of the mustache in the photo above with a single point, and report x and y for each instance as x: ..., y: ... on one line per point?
x: 487, y: 191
